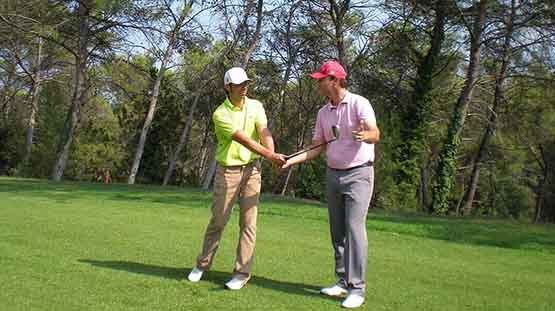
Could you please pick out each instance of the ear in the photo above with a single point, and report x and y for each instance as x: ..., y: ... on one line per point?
x: 227, y: 87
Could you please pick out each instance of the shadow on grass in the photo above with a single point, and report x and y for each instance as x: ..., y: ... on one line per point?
x: 215, y: 277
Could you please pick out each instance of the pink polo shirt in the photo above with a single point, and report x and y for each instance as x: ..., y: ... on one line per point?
x: 345, y: 152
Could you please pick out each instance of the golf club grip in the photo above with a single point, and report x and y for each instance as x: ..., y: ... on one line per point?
x: 307, y: 149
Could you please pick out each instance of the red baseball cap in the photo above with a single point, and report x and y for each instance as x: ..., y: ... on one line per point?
x: 330, y: 68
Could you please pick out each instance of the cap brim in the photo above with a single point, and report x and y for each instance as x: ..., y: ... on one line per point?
x: 239, y: 81
x: 317, y: 75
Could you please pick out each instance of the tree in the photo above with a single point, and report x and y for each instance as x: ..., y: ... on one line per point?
x: 180, y: 21
x: 415, y: 116
x: 448, y: 161
x: 206, y: 74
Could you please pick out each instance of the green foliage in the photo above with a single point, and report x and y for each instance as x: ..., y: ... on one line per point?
x: 54, y: 101
x: 9, y: 153
x: 96, y: 145
x: 311, y: 181
x: 445, y: 177
x: 513, y: 200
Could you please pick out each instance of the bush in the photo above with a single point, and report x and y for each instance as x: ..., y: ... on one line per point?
x: 513, y: 200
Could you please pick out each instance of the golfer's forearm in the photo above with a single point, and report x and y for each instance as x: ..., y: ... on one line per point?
x: 252, y: 145
x: 314, y: 153
x: 306, y: 156
x: 267, y: 140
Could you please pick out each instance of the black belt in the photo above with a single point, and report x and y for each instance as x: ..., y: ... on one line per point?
x: 369, y: 163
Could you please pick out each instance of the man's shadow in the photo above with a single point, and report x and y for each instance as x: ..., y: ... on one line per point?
x: 216, y: 277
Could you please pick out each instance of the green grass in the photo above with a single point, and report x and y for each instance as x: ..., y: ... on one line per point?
x: 81, y: 246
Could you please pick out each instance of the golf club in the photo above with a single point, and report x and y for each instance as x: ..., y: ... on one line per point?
x: 334, y: 130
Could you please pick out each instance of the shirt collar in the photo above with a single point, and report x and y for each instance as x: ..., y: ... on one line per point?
x: 344, y: 101
x: 230, y: 106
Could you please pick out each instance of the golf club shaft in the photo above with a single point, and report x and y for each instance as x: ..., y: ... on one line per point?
x: 308, y: 149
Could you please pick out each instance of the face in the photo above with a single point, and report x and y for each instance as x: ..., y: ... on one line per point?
x: 325, y: 85
x: 238, y: 90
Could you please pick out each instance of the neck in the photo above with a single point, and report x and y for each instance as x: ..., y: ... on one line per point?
x: 237, y: 101
x: 337, y: 96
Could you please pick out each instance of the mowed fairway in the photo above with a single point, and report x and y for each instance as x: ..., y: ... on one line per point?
x: 81, y: 246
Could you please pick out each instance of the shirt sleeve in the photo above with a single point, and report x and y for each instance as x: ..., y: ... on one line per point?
x: 223, y: 125
x: 318, y: 132
x: 261, y: 118
x: 366, y: 112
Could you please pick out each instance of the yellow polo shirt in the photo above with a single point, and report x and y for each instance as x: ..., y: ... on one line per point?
x: 228, y: 119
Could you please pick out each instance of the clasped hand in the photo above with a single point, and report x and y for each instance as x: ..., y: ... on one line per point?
x: 278, y: 159
x: 362, y: 133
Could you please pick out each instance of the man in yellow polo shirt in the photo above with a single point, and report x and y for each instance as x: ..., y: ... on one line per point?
x: 241, y: 131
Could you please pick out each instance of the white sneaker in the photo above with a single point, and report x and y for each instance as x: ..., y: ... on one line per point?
x: 334, y: 291
x: 237, y: 282
x: 353, y: 301
x: 195, y: 274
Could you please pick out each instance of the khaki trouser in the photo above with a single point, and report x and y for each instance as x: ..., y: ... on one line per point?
x: 230, y: 183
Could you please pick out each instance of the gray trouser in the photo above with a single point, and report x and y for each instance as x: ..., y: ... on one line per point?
x: 349, y: 194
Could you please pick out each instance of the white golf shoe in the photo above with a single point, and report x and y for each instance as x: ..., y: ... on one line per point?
x: 237, y: 282
x: 195, y: 274
x: 334, y: 291
x: 353, y: 301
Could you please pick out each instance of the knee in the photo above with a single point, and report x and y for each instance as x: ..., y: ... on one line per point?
x: 248, y: 229
x: 357, y: 230
x: 217, y: 224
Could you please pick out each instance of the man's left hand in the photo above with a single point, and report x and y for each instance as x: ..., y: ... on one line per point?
x: 362, y: 133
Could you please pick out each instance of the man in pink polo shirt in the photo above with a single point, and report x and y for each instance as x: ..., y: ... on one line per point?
x: 349, y: 177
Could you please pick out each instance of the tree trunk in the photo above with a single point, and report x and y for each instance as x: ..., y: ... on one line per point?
x: 6, y: 97
x: 291, y: 58
x: 337, y: 13
x: 149, y: 116
x: 423, y: 187
x: 300, y: 144
x: 540, y: 194
x: 447, y: 161
x: 284, y: 189
x: 204, y: 154
x: 492, y: 124
x: 544, y: 210
x: 210, y: 175
x: 154, y: 97
x: 257, y: 34
x: 281, y: 99
x: 416, y: 115
x: 182, y: 140
x: 36, y: 88
x: 79, y: 93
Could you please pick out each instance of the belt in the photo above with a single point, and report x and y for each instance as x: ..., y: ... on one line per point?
x: 369, y: 163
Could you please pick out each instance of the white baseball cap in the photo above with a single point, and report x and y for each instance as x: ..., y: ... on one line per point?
x: 235, y: 75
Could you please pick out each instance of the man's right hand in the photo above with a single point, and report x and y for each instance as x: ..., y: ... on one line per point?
x: 278, y: 159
